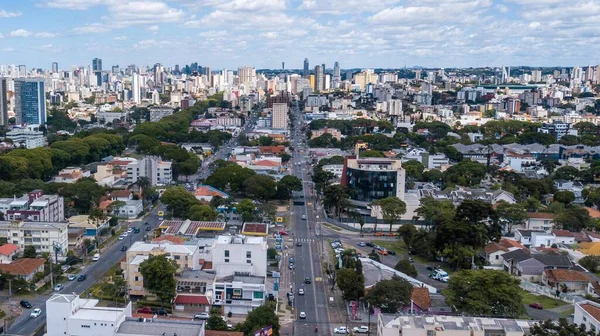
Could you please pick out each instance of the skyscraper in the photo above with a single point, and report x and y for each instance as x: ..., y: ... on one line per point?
x: 158, y: 74
x: 97, y: 64
x: 22, y: 71
x: 279, y: 119
x: 318, y: 78
x: 305, y: 73
x: 247, y: 75
x: 337, y: 75
x: 3, y: 101
x: 54, y: 67
x: 30, y: 101
x: 135, y: 88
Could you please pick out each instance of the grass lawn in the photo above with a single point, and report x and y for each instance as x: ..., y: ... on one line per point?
x: 399, y: 247
x: 332, y: 227
x: 568, y: 312
x: 545, y: 301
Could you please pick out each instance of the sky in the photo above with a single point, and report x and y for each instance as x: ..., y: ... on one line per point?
x: 264, y: 33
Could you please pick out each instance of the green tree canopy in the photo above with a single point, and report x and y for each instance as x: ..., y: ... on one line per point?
x: 574, y: 219
x: 159, y: 276
x: 392, y: 208
x: 351, y: 283
x: 29, y: 252
x: 414, y: 170
x: 202, y: 212
x: 390, y: 295
x: 406, y: 267
x: 562, y: 328
x: 261, y: 187
x: 286, y: 185
x: 511, y: 215
x: 259, y: 318
x: 564, y: 196
x: 178, y: 201
x: 215, y: 322
x: 465, y: 173
x: 247, y: 209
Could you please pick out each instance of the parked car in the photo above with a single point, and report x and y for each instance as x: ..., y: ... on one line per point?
x: 536, y: 305
x: 362, y: 244
x: 379, y: 234
x: 304, y: 217
x: 369, y: 244
x: 391, y: 252
x: 201, y: 316
x: 58, y: 287
x: 361, y: 330
x: 36, y: 312
x: 146, y: 223
x: 302, y: 315
x: 96, y: 257
x: 25, y: 304
x: 283, y: 233
x: 121, y: 237
x: 123, y: 248
x: 340, y: 330
x: 71, y: 277
x: 148, y: 228
x: 81, y: 277
x: 130, y: 230
x: 145, y: 310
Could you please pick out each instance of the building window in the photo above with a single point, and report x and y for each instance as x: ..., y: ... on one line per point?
x: 226, y: 260
x: 176, y: 257
x: 226, y: 253
x: 136, y: 278
x: 497, y: 257
x: 248, y: 254
x: 259, y: 295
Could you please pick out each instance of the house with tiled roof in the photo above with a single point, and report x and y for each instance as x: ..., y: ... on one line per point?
x: 206, y: 193
x: 565, y: 237
x: 24, y: 268
x: 493, y: 253
x: 587, y: 313
x: 529, y: 266
x: 420, y: 302
x: 7, y: 252
x: 572, y: 280
x: 540, y: 221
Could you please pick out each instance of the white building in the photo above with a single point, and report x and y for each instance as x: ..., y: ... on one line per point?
x: 34, y: 207
x: 588, y: 314
x: 431, y: 161
x: 159, y: 112
x: 280, y: 116
x: 26, y: 138
x: 152, y: 167
x: 531, y: 238
x: 135, y: 88
x: 394, y: 107
x: 44, y: 236
x: 335, y: 169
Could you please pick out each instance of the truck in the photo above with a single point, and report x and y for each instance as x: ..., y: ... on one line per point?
x: 440, y: 275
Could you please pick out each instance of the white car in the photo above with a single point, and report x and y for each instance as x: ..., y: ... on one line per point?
x: 301, y: 291
x: 302, y: 315
x: 130, y: 230
x: 121, y: 237
x: 361, y: 330
x: 72, y: 277
x: 58, y: 288
x: 201, y: 316
x: 36, y: 312
x: 340, y: 330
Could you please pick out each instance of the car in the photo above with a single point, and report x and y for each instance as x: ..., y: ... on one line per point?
x: 383, y: 252
x: 379, y: 234
x: 302, y: 315
x: 303, y: 216
x: 130, y: 230
x: 369, y: 244
x: 361, y: 330
x: 81, y: 277
x: 391, y: 252
x: 362, y: 244
x: 299, y: 243
x: 148, y: 228
x: 340, y: 330
x: 301, y: 291
x: 391, y: 234
x: 146, y: 223
x: 123, y: 248
x: 36, y: 312
x: 96, y: 257
x: 58, y: 287
x: 72, y: 277
x: 283, y: 233
x: 125, y: 234
x: 201, y: 316
x: 307, y: 280
x: 145, y: 310
x: 136, y: 231
x: 536, y: 306
x: 25, y: 304
x: 121, y: 237
x: 291, y: 266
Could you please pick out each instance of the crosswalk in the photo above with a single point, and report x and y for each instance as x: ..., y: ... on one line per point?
x: 306, y: 240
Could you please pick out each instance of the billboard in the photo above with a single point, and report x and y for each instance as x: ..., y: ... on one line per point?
x: 266, y: 331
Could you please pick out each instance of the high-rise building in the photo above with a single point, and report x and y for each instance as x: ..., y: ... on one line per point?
x: 54, y: 67
x: 22, y: 71
x: 135, y: 88
x: 158, y: 74
x: 30, y: 101
x: 97, y: 64
x: 115, y: 69
x: 280, y: 116
x: 207, y: 72
x: 3, y: 101
x: 337, y: 75
x: 536, y: 75
x: 318, y: 78
x: 247, y: 75
x: 305, y: 72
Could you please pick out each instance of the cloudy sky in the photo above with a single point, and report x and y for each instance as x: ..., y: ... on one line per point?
x: 263, y: 33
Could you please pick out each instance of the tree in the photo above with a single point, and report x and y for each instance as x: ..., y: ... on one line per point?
x: 392, y: 208
x: 29, y: 252
x: 259, y: 318
x: 474, y: 211
x: 465, y: 173
x: 406, y: 267
x: 407, y: 233
x: 159, y: 276
x: 260, y: 186
x: 485, y: 292
x: 432, y: 175
x: 247, y: 209
x: 591, y: 263
x: 390, y: 295
x: 435, y: 211
x: 351, y: 283
x: 562, y: 328
x: 566, y: 173
x: 215, y: 322
x: 414, y: 170
x: 286, y: 185
x: 271, y: 253
x: 336, y: 197
x: 574, y: 219
x: 564, y: 196
x: 202, y: 212
x: 178, y: 201
x: 511, y: 215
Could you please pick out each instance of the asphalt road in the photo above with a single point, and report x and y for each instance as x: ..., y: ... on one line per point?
x: 25, y: 325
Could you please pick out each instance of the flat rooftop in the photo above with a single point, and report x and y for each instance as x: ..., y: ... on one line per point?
x: 98, y: 314
x: 160, y: 327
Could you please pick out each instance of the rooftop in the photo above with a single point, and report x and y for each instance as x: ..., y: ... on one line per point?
x: 160, y: 327
x: 34, y: 225
x: 591, y: 308
x: 561, y: 275
x: 23, y: 266
x: 98, y: 314
x: 8, y: 249
x: 255, y: 229
x: 191, y: 299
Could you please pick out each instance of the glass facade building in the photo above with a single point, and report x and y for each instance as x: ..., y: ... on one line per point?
x: 30, y: 101
x: 374, y: 178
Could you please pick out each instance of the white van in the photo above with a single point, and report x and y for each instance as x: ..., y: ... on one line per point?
x: 96, y: 257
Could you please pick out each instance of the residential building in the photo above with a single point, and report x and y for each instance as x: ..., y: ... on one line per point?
x: 24, y: 268
x: 494, y: 251
x: 91, y: 226
x: 587, y: 313
x: 159, y: 112
x: 44, y: 236
x: 335, y: 133
x: 335, y: 169
x: 566, y: 280
x: 558, y: 130
x: 459, y: 194
x: 26, y: 138
x: 107, y: 175
x: 30, y: 102
x: 530, y: 238
x: 539, y: 221
x: 70, y: 175
x: 573, y: 186
x: 280, y: 116
x: 565, y: 237
x: 8, y: 251
x: 158, y: 171
x: 430, y: 161
x: 529, y: 266
x: 206, y: 193
x: 420, y: 302
x: 374, y: 178
x: 392, y: 325
x: 35, y: 207
x: 3, y: 101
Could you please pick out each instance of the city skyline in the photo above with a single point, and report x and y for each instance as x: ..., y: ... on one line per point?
x: 358, y: 34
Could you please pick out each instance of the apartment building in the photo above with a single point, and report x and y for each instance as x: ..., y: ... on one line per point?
x: 158, y: 171
x: 26, y: 138
x: 240, y: 263
x: 187, y: 257
x: 587, y: 313
x: 34, y: 207
x: 44, y: 236
x: 280, y: 116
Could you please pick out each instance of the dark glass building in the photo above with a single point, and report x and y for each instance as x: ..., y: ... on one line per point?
x: 30, y: 101
x: 374, y: 178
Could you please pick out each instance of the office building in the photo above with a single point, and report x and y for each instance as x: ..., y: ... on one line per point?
x: 135, y: 88
x: 305, y: 73
x: 26, y: 138
x: 158, y: 74
x: 34, y: 207
x: 54, y: 67
x: 30, y: 102
x: 318, y: 78
x: 280, y: 116
x: 3, y: 101
x: 97, y: 64
x: 337, y: 75
x: 48, y: 237
x: 158, y: 171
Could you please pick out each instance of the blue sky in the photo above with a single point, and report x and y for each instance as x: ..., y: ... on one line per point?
x: 263, y: 33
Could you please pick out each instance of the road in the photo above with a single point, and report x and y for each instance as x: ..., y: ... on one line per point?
x: 25, y: 325
x: 308, y: 257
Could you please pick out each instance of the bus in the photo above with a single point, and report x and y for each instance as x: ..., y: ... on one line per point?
x: 161, y: 215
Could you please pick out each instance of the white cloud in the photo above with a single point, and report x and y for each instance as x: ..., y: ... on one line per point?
x: 535, y: 24
x: 144, y: 12
x: 45, y: 35
x: 153, y: 28
x: 120, y: 38
x: 258, y: 21
x: 8, y: 49
x: 6, y: 14
x: 345, y: 7
x: 91, y: 29
x: 20, y: 33
x: 73, y: 4
x: 1, y: 36
x: 145, y: 44
x: 249, y: 5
